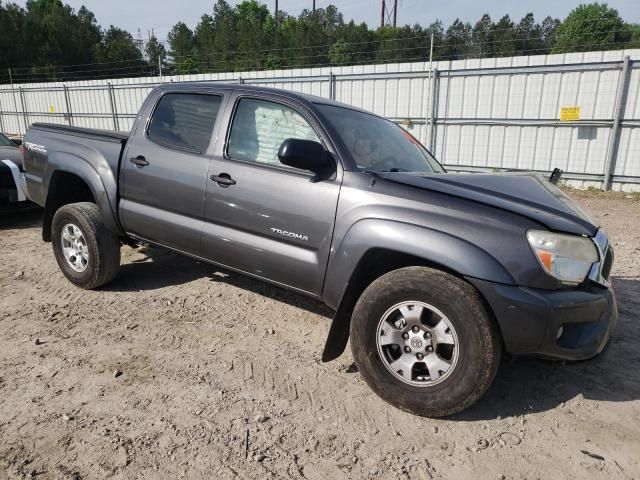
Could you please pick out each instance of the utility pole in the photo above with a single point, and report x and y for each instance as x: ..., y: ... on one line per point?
x: 389, y: 16
x: 314, y: 5
x: 276, y: 11
x: 395, y: 12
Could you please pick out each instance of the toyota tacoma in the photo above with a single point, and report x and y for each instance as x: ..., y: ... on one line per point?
x: 433, y: 276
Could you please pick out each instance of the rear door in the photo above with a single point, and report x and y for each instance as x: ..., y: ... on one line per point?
x: 164, y: 170
x: 272, y: 221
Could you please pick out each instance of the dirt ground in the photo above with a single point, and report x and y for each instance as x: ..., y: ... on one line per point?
x: 180, y: 370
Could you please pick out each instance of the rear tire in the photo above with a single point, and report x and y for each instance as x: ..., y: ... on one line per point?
x: 444, y: 357
x: 87, y: 253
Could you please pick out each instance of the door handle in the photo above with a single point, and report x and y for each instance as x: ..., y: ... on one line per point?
x: 139, y: 161
x: 223, y: 179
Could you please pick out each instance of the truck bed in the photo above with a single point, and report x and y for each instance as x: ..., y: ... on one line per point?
x: 46, y: 145
x: 85, y: 132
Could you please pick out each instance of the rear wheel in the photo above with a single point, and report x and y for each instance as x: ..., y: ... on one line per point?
x: 87, y: 253
x: 424, y: 342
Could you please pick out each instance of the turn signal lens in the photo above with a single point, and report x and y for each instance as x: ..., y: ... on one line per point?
x: 565, y: 257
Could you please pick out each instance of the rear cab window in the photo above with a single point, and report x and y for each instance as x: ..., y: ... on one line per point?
x: 184, y: 121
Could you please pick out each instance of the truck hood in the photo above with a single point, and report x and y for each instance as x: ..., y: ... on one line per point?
x: 527, y: 194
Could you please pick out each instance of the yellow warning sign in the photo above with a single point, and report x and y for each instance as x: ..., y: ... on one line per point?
x: 570, y: 114
x: 52, y: 109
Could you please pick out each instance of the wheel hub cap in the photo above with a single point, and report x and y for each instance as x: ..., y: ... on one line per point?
x: 417, y: 343
x: 74, y: 247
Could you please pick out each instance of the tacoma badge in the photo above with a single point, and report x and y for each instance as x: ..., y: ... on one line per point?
x: 284, y: 233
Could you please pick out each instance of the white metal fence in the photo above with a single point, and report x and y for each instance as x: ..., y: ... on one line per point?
x: 474, y: 114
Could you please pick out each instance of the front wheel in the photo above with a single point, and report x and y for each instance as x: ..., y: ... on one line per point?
x: 87, y: 253
x: 424, y: 342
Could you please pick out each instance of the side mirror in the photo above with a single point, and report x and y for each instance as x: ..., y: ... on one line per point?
x: 304, y: 154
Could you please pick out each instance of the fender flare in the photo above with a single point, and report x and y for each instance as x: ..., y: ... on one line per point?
x: 434, y: 247
x: 103, y: 185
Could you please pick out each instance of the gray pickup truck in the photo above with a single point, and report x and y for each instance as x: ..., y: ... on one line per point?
x: 432, y: 275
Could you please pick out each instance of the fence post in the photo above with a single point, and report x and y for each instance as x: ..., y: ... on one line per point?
x: 15, y: 102
x: 114, y: 111
x: 68, y: 104
x: 1, y: 115
x: 614, y: 141
x: 332, y: 86
x: 433, y: 110
x: 25, y: 115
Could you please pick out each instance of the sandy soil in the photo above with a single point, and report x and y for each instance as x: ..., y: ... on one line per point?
x: 180, y: 370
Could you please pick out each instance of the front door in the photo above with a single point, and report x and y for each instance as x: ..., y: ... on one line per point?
x: 165, y: 169
x: 262, y: 217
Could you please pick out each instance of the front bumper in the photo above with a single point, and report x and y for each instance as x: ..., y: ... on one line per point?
x: 530, y: 319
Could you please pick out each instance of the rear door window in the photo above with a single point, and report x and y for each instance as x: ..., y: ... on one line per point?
x: 184, y: 121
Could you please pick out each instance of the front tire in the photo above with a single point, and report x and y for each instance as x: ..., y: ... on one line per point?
x: 87, y: 253
x: 424, y: 342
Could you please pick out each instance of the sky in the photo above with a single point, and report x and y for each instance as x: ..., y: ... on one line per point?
x: 161, y: 15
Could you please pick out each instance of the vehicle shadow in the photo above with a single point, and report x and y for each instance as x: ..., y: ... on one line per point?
x: 530, y: 385
x: 23, y: 218
x: 161, y: 268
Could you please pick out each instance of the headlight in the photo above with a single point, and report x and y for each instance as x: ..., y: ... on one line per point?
x: 565, y: 257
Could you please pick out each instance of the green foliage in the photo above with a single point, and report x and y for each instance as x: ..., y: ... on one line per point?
x: 155, y: 51
x: 180, y: 41
x: 186, y: 65
x: 47, y: 40
x: 117, y: 46
x: 339, y: 53
x: 635, y: 35
x: 591, y: 27
x: 457, y: 41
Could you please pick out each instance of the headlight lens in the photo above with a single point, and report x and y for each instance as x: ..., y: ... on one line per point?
x: 565, y: 257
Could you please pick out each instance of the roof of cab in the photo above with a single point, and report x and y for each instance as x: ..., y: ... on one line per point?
x: 301, y: 97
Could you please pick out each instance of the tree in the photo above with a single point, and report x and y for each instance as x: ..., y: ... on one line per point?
x: 59, y: 43
x: 203, y: 42
x: 13, y: 28
x: 635, y: 35
x: 548, y: 32
x: 529, y: 34
x: 180, y: 41
x: 224, y: 35
x: 254, y: 30
x: 118, y: 48
x: 155, y: 51
x: 481, y: 45
x: 457, y: 41
x: 591, y: 27
x: 339, y: 53
x: 504, y: 38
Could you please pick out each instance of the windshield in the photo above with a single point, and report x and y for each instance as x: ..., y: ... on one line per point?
x: 376, y: 144
x: 5, y: 142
